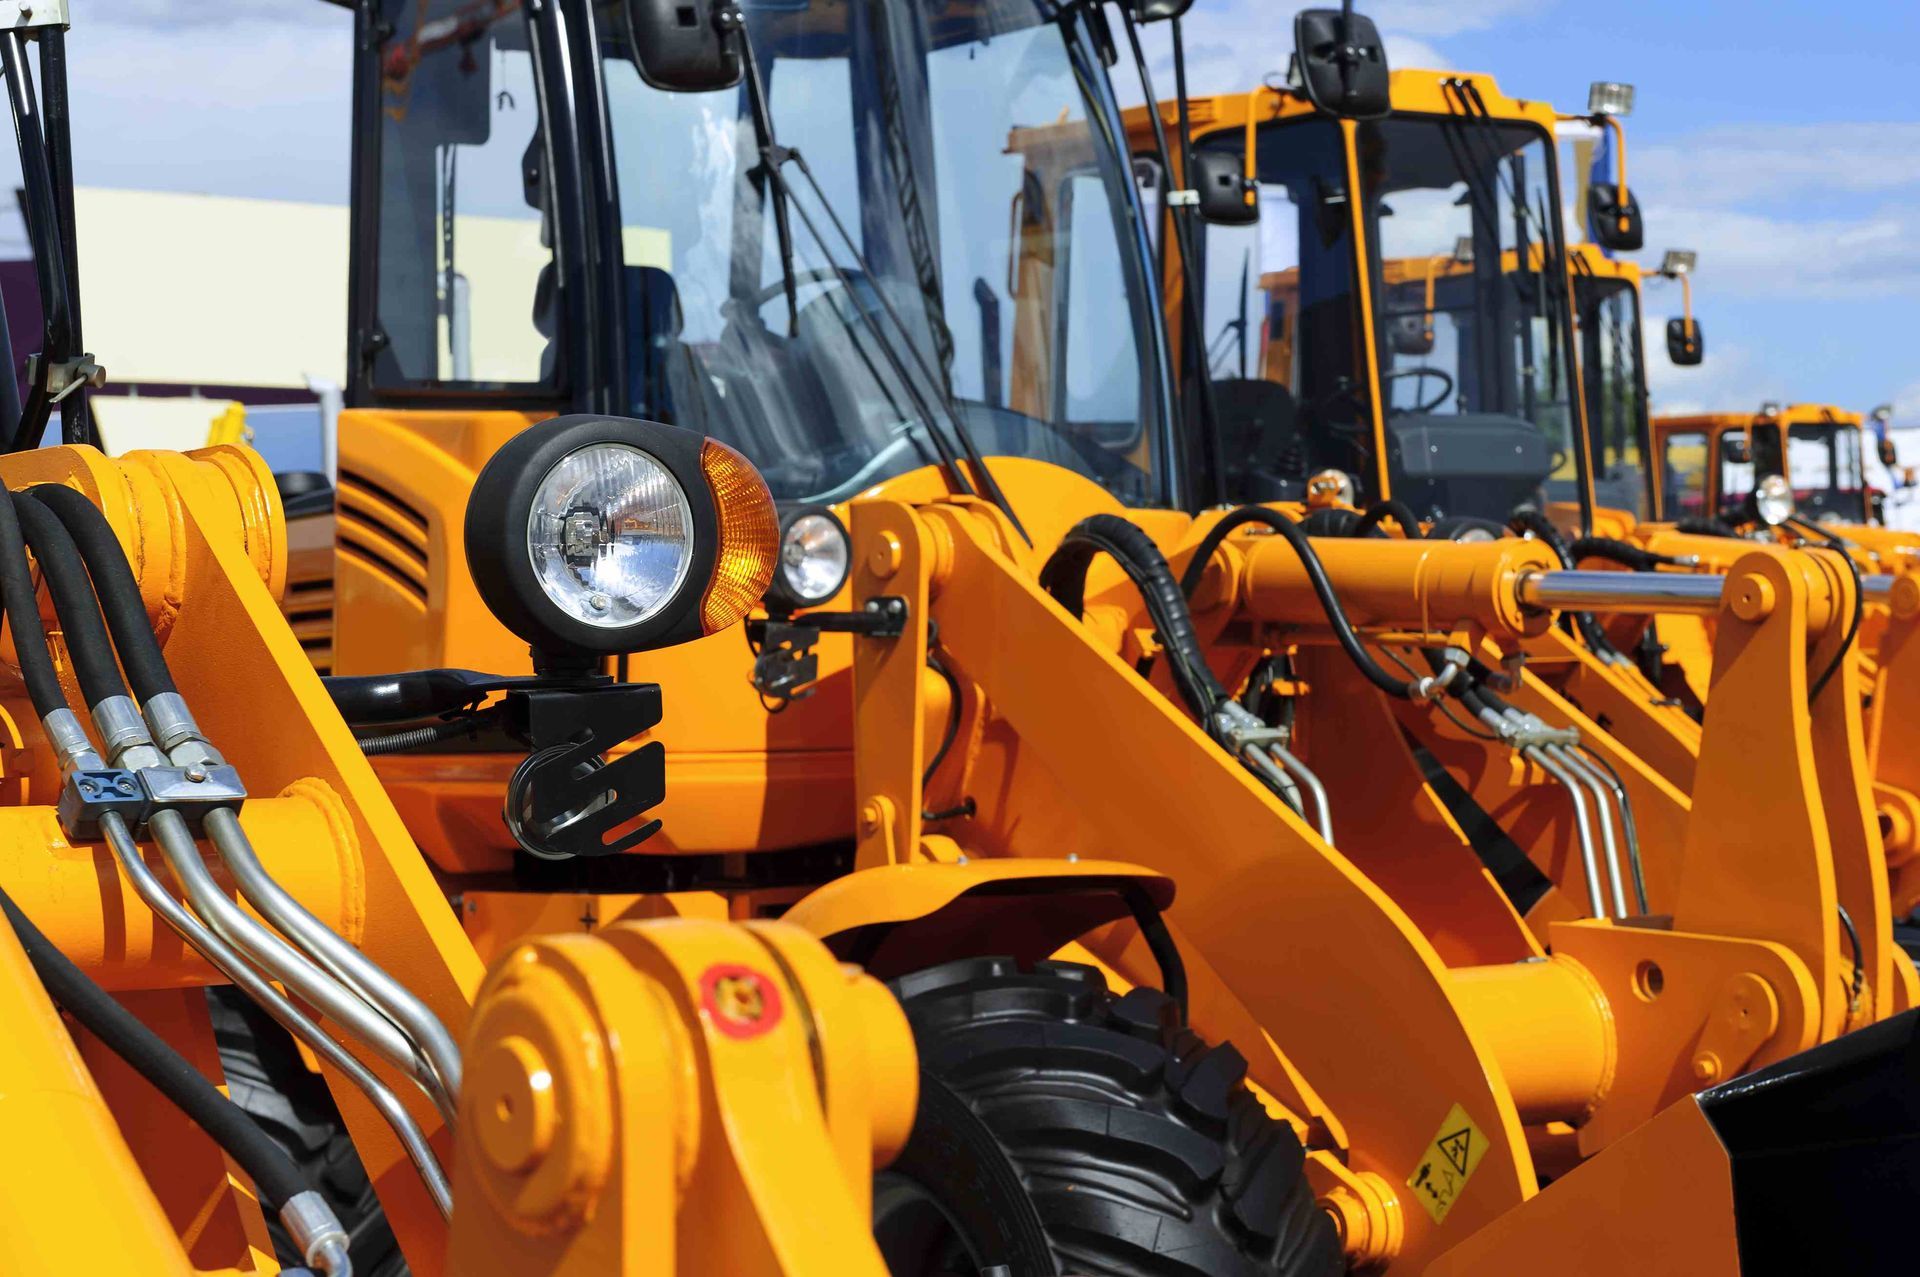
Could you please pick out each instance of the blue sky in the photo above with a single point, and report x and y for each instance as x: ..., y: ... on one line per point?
x: 1780, y: 140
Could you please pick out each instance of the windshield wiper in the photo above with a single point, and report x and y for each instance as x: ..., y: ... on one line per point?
x: 774, y: 158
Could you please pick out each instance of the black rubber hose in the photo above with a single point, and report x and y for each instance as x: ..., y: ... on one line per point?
x: 114, y: 583
x: 272, y: 1171
x: 1398, y: 511
x: 1316, y: 575
x: 73, y: 600
x: 1528, y: 519
x: 1701, y: 526
x: 23, y: 615
x: 1065, y: 578
x: 1626, y: 554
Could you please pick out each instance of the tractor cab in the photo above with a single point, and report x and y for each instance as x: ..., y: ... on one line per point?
x: 1398, y: 310
x: 1718, y: 466
x: 553, y: 232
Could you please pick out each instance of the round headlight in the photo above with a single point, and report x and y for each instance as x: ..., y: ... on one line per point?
x: 610, y: 535
x: 1773, y: 500
x: 602, y: 534
x: 815, y: 556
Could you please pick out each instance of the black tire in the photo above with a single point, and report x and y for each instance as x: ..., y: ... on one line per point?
x: 1063, y: 1130
x: 267, y: 1078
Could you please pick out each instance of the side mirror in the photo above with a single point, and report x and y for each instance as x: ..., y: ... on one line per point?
x: 1685, y: 344
x: 1227, y: 198
x: 1343, y: 64
x: 678, y: 46
x: 1736, y: 450
x: 1411, y: 334
x: 1889, y: 455
x: 1158, y: 10
x: 1616, y: 223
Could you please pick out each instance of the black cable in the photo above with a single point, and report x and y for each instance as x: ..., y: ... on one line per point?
x: 65, y: 573
x: 23, y: 616
x: 1316, y: 575
x: 114, y: 583
x: 1626, y: 554
x: 274, y: 1175
x: 1853, y: 628
x: 1396, y: 510
x: 1065, y: 578
x: 1859, y: 959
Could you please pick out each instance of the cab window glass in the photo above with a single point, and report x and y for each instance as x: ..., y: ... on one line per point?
x: 464, y: 268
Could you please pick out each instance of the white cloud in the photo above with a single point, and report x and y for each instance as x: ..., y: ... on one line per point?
x: 1731, y: 378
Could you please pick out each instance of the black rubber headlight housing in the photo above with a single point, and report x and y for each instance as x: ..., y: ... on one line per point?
x: 597, y: 535
x: 816, y: 557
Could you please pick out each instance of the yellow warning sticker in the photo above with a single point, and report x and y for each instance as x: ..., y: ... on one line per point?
x: 1448, y: 1164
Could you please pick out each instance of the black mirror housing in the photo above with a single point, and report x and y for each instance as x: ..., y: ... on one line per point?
x: 1343, y: 64
x: 680, y: 48
x: 1227, y: 198
x: 1685, y: 344
x: 1158, y: 10
x: 1616, y: 224
x: 1411, y: 334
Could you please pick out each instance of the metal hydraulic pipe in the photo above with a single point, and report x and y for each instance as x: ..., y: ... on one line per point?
x: 1601, y: 794
x: 1589, y: 856
x: 172, y: 725
x: 353, y: 968
x: 274, y: 955
x: 236, y: 968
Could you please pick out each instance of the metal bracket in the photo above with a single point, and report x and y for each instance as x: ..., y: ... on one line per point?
x: 785, y: 666
x: 63, y: 378
x: 567, y: 799
x: 26, y: 15
x: 87, y: 796
x: 193, y: 790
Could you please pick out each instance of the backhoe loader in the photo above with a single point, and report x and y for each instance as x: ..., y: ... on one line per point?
x: 942, y: 720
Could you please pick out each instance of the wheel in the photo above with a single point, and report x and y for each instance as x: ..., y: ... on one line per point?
x: 1064, y: 1130
x: 267, y: 1078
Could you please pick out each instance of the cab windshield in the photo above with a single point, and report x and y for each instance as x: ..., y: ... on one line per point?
x: 1823, y: 465
x: 1465, y: 256
x: 969, y: 148
x: 1610, y: 355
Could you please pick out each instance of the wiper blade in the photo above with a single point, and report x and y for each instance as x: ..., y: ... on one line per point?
x: 774, y: 159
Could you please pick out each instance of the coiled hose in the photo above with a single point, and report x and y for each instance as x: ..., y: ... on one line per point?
x: 1065, y: 578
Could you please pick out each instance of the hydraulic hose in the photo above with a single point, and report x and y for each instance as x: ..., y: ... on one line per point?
x: 1065, y: 578
x: 1398, y: 511
x: 118, y: 592
x: 272, y: 1171
x: 1316, y: 575
x: 1626, y: 554
x: 23, y: 615
x: 65, y: 574
x: 382, y: 1011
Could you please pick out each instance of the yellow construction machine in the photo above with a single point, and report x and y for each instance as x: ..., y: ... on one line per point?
x: 980, y: 667
x: 1000, y: 692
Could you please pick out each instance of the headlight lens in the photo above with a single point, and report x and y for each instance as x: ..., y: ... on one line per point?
x: 610, y: 535
x: 1773, y: 500
x: 814, y: 558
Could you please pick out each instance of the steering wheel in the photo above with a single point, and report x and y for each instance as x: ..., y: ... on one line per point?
x: 801, y: 278
x: 1422, y: 373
